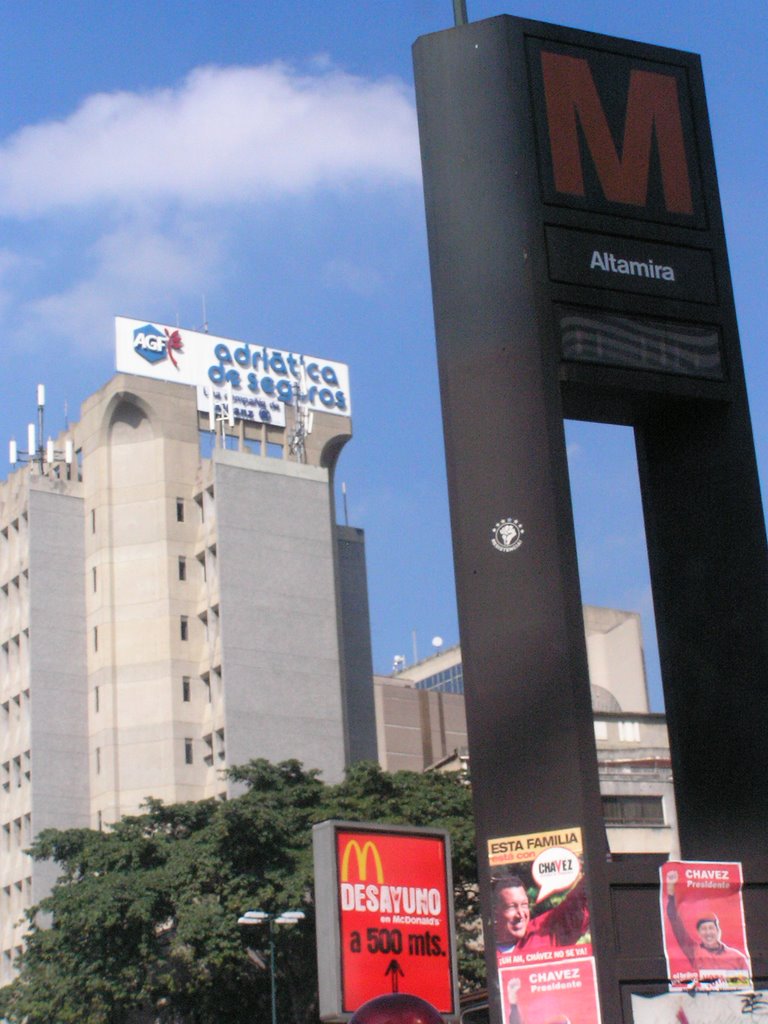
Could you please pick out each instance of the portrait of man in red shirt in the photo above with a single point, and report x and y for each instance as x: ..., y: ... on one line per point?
x: 520, y: 932
x: 706, y: 951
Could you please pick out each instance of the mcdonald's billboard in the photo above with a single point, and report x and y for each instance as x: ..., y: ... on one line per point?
x: 384, y: 899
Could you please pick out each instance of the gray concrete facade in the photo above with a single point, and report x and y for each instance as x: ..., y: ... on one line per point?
x: 355, y: 640
x: 57, y: 676
x: 280, y: 651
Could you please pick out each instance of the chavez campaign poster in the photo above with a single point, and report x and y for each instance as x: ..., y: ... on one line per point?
x: 542, y: 929
x: 702, y: 917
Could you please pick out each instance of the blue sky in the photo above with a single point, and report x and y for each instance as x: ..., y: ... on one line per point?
x: 264, y: 155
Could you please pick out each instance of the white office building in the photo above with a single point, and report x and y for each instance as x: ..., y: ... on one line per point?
x: 171, y: 605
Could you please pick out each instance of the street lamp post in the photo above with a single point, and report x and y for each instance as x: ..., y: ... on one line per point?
x: 259, y: 917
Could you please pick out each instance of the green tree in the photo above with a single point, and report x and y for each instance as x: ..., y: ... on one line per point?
x: 143, y: 920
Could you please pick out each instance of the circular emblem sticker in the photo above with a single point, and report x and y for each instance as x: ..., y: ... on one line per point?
x: 507, y: 535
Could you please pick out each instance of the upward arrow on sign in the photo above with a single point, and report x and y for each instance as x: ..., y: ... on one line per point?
x: 394, y: 968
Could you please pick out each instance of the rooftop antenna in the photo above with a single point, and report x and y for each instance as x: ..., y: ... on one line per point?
x: 36, y: 453
x: 398, y: 663
x: 303, y: 419
x: 415, y: 649
x: 205, y: 317
x: 459, y: 12
x: 41, y: 432
x: 211, y: 413
x: 344, y: 496
x: 225, y: 400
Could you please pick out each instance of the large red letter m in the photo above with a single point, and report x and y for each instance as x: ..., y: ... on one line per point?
x: 652, y: 106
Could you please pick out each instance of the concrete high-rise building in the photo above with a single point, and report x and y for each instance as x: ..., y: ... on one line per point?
x: 170, y: 607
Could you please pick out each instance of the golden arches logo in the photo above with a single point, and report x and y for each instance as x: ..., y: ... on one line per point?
x: 361, y: 854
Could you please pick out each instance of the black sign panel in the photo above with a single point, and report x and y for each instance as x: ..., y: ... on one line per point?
x: 615, y: 133
x: 631, y: 265
x: 579, y: 268
x: 589, y: 336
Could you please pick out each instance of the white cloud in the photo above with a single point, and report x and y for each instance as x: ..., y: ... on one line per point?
x: 223, y: 135
x: 132, y: 270
x: 14, y: 268
x: 354, y: 277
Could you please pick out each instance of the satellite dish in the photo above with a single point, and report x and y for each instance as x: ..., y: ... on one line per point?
x: 437, y: 641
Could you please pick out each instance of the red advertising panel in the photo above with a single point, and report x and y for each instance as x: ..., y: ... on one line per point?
x: 394, y: 913
x: 702, y: 917
x: 555, y: 992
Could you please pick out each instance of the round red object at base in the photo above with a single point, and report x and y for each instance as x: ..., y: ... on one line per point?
x: 398, y: 1008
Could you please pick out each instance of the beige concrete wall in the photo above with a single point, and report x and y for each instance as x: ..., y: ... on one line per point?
x: 140, y: 457
x: 615, y: 655
x: 43, y: 742
x: 418, y: 729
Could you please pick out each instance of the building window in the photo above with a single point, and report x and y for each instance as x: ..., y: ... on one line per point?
x: 184, y: 627
x: 208, y: 748
x: 179, y: 510
x: 188, y: 751
x: 629, y: 732
x: 93, y: 520
x: 96, y: 698
x: 186, y: 689
x: 98, y: 760
x: 95, y: 638
x: 93, y: 577
x: 633, y: 810
x: 99, y: 821
x: 450, y: 680
x: 182, y: 567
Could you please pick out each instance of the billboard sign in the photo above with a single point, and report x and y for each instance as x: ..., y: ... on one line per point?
x: 385, y: 896
x: 262, y: 380
x: 702, y: 917
x: 542, y: 927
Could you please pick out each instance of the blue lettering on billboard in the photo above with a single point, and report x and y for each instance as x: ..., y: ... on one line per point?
x: 274, y: 365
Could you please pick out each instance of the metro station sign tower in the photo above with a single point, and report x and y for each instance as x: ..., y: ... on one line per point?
x: 579, y: 269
